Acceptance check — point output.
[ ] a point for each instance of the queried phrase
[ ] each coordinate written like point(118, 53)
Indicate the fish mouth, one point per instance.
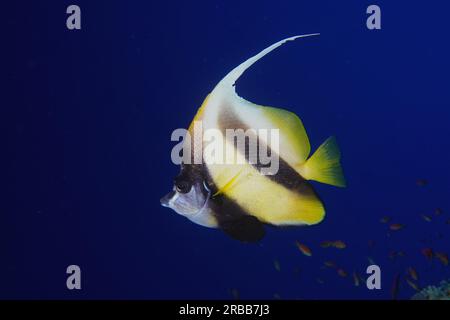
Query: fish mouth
point(165, 201)
point(168, 201)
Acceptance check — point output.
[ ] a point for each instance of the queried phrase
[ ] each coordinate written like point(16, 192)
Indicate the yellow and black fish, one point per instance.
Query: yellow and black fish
point(235, 195)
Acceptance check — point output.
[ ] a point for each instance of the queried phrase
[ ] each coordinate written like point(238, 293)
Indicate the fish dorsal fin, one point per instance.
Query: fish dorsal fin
point(231, 78)
point(295, 146)
point(294, 142)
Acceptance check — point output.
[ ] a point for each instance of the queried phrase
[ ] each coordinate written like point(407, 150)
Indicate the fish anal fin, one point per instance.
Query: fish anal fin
point(302, 207)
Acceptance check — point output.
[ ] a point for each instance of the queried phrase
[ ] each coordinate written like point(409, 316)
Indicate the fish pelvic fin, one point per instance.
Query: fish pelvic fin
point(231, 78)
point(324, 165)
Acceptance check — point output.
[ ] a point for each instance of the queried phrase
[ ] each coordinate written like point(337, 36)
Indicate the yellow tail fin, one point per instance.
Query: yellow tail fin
point(324, 165)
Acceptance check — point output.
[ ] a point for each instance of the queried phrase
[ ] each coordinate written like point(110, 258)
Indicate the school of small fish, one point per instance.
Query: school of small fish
point(409, 276)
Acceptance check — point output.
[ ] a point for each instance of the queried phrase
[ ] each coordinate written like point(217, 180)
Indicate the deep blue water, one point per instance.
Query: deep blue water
point(90, 113)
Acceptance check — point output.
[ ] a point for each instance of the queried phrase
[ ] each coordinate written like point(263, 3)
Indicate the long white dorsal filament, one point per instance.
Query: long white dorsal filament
point(230, 79)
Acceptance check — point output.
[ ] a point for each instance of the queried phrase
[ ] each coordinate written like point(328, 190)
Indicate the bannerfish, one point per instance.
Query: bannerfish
point(236, 196)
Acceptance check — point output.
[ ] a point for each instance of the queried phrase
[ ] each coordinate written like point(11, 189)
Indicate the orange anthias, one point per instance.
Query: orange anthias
point(303, 249)
point(396, 226)
point(342, 272)
point(339, 244)
point(442, 257)
point(428, 253)
point(413, 273)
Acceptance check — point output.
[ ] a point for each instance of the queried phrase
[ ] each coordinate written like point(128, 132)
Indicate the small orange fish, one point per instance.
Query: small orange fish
point(421, 182)
point(276, 265)
point(304, 249)
point(341, 272)
point(428, 253)
point(339, 244)
point(396, 226)
point(426, 218)
point(361, 278)
point(392, 254)
point(326, 244)
point(235, 293)
point(395, 286)
point(412, 284)
point(413, 273)
point(356, 279)
point(385, 219)
point(330, 264)
point(442, 257)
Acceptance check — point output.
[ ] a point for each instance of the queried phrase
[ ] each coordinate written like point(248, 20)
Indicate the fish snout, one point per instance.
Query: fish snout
point(165, 201)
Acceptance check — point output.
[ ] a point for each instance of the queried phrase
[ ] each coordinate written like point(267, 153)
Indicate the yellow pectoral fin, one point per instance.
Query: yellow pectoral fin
point(228, 185)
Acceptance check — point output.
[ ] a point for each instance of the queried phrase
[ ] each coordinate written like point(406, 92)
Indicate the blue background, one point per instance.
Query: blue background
point(90, 113)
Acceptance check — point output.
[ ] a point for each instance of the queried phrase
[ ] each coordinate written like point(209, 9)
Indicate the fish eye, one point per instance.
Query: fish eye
point(182, 186)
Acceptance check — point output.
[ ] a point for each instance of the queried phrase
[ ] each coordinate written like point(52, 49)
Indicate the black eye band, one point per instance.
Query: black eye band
point(182, 186)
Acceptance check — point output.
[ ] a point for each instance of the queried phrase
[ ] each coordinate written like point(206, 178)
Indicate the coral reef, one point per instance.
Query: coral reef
point(440, 292)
